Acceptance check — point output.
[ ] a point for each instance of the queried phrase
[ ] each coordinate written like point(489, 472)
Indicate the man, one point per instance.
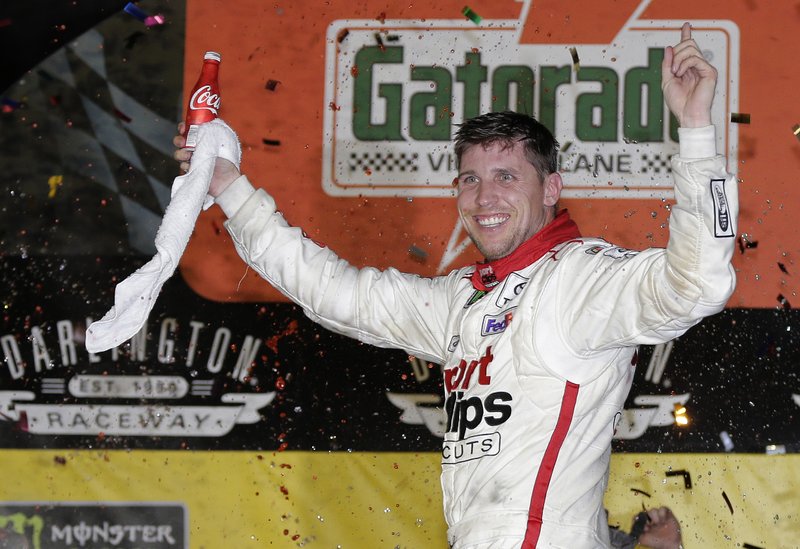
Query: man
point(538, 343)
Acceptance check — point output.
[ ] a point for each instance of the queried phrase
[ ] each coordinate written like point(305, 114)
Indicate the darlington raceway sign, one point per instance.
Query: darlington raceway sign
point(395, 90)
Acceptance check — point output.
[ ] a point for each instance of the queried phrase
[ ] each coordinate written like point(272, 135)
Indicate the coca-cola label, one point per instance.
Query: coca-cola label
point(203, 100)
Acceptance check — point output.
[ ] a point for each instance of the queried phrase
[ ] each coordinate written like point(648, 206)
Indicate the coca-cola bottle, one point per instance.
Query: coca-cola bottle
point(205, 99)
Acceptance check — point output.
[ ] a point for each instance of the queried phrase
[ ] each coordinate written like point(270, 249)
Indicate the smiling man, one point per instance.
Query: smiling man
point(537, 343)
point(508, 186)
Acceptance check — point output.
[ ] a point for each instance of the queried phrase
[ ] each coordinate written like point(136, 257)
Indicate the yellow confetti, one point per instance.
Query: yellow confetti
point(54, 182)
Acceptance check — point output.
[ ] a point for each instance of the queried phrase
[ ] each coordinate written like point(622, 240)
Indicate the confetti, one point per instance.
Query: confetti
point(392, 38)
point(272, 142)
point(342, 35)
point(272, 84)
point(381, 17)
point(687, 477)
point(9, 105)
point(132, 9)
point(782, 267)
point(728, 501)
point(61, 460)
point(784, 302)
point(54, 182)
point(796, 130)
point(141, 15)
point(417, 254)
point(576, 62)
point(748, 546)
point(740, 118)
point(471, 15)
point(745, 243)
point(565, 147)
point(727, 442)
point(642, 492)
point(154, 20)
point(379, 40)
point(121, 115)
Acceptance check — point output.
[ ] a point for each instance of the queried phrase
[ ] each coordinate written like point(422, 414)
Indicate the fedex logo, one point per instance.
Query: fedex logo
point(496, 324)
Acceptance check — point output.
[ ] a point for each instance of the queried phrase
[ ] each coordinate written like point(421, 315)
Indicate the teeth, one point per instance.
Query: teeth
point(492, 220)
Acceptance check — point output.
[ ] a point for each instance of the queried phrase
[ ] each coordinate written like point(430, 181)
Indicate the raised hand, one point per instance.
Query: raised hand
point(688, 81)
point(225, 172)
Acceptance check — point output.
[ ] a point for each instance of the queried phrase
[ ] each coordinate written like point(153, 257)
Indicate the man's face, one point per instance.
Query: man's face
point(502, 200)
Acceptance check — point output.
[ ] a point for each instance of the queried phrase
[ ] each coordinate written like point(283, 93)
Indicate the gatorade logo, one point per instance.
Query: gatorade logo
point(398, 101)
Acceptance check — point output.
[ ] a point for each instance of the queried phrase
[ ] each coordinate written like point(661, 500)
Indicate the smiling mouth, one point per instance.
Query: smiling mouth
point(490, 221)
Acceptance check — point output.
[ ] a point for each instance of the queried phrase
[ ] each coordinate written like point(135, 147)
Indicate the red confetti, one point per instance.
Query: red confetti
point(354, 71)
point(121, 115)
point(334, 107)
point(272, 343)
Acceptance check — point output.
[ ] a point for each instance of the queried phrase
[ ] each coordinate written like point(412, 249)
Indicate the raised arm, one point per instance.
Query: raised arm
point(383, 308)
point(688, 81)
point(656, 295)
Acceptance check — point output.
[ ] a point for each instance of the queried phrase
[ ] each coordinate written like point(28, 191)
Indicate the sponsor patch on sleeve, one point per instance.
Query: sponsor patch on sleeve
point(723, 223)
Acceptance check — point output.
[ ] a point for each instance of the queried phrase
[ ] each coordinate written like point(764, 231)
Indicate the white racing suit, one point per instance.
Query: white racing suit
point(537, 369)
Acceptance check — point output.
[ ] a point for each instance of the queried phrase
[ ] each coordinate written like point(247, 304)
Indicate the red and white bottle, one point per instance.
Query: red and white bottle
point(205, 99)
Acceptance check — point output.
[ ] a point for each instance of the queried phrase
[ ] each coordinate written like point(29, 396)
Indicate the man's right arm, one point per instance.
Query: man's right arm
point(383, 308)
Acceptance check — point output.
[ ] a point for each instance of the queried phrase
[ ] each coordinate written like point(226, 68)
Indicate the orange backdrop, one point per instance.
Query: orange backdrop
point(287, 42)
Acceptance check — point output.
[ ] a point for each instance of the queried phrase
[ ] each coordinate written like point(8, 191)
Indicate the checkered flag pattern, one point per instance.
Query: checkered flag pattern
point(656, 164)
point(97, 117)
point(381, 162)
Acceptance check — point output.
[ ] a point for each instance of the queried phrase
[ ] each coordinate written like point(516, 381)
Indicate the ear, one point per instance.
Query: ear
point(552, 188)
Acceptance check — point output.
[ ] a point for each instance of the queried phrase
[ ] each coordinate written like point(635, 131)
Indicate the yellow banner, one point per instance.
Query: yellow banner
point(356, 500)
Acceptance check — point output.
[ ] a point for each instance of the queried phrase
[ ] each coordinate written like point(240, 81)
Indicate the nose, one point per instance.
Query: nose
point(486, 194)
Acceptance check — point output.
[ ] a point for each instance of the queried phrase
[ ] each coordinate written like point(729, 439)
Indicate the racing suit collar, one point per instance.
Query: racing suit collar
point(488, 274)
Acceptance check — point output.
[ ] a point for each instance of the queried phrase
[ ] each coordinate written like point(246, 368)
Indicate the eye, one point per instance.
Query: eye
point(506, 177)
point(467, 180)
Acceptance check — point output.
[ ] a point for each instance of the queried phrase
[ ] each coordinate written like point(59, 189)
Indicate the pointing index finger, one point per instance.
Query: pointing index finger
point(686, 32)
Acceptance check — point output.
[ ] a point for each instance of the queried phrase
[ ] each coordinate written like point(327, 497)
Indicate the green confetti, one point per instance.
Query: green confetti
point(471, 15)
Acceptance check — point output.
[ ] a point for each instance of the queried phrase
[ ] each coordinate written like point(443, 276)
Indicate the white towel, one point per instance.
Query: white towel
point(135, 296)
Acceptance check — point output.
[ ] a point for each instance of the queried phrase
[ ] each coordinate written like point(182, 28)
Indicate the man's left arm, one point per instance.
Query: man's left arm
point(657, 295)
point(703, 220)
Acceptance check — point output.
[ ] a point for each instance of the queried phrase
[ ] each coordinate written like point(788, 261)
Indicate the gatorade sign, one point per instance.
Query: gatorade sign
point(396, 90)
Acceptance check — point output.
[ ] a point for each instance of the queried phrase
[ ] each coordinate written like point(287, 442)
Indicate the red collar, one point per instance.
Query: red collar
point(490, 273)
